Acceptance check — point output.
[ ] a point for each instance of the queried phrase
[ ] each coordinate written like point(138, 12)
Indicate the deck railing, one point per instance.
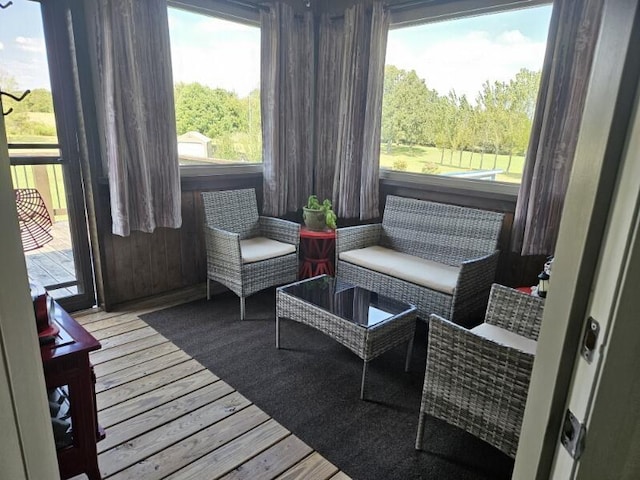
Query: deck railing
point(47, 179)
point(42, 172)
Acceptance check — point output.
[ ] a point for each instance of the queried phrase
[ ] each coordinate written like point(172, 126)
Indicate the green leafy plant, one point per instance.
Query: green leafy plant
point(327, 209)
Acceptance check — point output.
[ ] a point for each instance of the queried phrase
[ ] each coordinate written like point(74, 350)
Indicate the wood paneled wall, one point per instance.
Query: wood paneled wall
point(147, 264)
point(144, 265)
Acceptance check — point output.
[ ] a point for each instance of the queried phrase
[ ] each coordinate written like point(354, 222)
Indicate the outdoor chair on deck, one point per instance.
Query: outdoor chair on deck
point(247, 252)
point(478, 379)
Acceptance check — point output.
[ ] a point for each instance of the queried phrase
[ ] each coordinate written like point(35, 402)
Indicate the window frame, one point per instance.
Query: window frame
point(238, 12)
point(409, 15)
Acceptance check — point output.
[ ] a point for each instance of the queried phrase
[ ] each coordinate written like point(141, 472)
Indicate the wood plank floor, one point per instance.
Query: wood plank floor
point(166, 416)
point(53, 263)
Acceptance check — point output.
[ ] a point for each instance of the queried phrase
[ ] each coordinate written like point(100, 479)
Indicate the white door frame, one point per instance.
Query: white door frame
point(27, 448)
point(599, 155)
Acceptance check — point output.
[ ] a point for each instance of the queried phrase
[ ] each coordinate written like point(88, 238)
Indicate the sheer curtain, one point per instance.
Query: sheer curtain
point(355, 182)
point(572, 41)
point(328, 76)
point(287, 95)
point(131, 63)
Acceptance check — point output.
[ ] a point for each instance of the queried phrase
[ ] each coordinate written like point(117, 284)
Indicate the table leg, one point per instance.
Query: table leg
point(277, 331)
point(407, 361)
point(364, 376)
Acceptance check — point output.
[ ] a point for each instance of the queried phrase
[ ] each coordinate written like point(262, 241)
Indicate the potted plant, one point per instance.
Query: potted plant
point(318, 216)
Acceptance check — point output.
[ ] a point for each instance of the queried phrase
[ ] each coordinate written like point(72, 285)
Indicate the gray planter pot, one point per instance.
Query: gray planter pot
point(314, 219)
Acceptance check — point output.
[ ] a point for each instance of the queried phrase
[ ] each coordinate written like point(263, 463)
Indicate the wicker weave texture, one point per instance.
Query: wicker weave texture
point(234, 211)
point(477, 384)
point(231, 216)
point(515, 311)
point(427, 301)
point(448, 234)
point(443, 233)
point(366, 343)
point(362, 236)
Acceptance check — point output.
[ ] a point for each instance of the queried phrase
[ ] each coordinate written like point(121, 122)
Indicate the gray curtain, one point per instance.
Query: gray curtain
point(131, 63)
point(287, 93)
point(355, 182)
point(328, 77)
point(572, 40)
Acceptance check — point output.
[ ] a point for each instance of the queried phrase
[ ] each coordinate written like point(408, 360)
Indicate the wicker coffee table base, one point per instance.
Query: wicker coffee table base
point(366, 343)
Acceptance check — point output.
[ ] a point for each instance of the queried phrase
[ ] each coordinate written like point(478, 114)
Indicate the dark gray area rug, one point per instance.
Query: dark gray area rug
point(312, 386)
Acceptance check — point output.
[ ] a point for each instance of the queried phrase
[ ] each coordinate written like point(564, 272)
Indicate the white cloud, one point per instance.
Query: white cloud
point(1, 46)
point(217, 25)
point(232, 65)
point(28, 73)
point(464, 63)
point(512, 37)
point(30, 44)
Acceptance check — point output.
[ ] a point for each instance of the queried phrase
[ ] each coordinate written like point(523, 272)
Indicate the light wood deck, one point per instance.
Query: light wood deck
point(53, 263)
point(166, 416)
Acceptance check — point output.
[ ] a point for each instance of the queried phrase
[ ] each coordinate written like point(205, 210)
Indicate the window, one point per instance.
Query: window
point(23, 65)
point(459, 95)
point(53, 262)
point(216, 72)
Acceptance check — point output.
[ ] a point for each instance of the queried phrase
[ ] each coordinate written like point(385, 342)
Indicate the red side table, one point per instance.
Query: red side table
point(317, 250)
point(527, 290)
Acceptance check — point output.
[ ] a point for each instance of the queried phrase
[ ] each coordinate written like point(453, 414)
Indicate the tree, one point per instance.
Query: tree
point(390, 107)
point(8, 83)
point(494, 101)
point(39, 100)
point(524, 92)
point(212, 112)
point(407, 108)
point(444, 125)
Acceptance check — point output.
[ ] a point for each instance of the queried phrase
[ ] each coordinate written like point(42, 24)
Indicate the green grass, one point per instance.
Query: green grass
point(417, 157)
point(32, 139)
point(23, 177)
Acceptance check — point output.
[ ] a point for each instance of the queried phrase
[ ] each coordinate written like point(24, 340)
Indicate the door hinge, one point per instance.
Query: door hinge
point(573, 435)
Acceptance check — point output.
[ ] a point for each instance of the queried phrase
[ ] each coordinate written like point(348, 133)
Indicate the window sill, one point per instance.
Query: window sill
point(190, 171)
point(498, 193)
point(198, 178)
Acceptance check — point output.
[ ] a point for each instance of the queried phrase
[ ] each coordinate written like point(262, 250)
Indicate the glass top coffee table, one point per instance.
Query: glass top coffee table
point(365, 322)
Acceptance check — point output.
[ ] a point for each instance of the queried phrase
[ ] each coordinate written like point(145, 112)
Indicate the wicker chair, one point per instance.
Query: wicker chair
point(478, 379)
point(247, 252)
point(440, 258)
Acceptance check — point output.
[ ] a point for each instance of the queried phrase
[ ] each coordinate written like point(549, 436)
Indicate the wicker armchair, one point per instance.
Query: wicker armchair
point(247, 252)
point(478, 379)
point(440, 258)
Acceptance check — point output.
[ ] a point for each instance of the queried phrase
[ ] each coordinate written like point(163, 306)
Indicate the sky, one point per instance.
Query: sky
point(458, 55)
point(461, 54)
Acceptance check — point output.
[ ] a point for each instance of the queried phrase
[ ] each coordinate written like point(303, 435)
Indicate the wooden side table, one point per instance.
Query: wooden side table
point(71, 385)
point(317, 250)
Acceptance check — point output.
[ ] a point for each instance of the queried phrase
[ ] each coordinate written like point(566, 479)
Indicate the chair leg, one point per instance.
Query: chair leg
point(208, 289)
point(242, 308)
point(365, 364)
point(407, 361)
point(420, 434)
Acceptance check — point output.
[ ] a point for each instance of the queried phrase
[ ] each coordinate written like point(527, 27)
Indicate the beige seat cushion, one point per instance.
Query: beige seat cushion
point(261, 248)
point(433, 275)
point(505, 337)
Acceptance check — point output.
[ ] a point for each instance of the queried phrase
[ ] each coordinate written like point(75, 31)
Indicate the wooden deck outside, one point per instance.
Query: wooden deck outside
point(53, 263)
point(166, 416)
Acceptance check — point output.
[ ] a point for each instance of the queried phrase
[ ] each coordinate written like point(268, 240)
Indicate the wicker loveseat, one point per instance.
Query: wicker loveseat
point(440, 258)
